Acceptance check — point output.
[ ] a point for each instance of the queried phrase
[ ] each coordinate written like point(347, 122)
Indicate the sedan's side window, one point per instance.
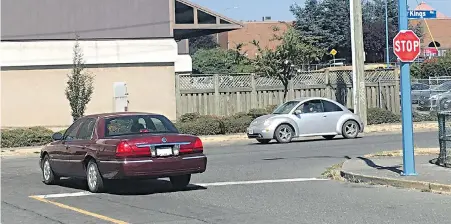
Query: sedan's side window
point(330, 107)
point(71, 133)
point(312, 106)
point(86, 129)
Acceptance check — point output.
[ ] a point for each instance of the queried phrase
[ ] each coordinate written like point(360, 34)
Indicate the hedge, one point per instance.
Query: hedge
point(196, 124)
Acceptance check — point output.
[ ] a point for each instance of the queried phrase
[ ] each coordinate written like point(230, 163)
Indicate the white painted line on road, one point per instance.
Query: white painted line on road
point(64, 195)
point(87, 193)
point(258, 182)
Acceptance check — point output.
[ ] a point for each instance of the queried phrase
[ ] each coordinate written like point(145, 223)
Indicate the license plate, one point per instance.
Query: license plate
point(164, 151)
point(250, 131)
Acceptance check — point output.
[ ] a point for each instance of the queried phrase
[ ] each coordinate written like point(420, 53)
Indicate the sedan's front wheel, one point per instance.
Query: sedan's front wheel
point(47, 172)
point(284, 133)
point(95, 180)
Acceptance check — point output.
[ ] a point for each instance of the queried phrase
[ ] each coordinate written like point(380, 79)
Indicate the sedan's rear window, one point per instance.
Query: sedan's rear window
point(138, 124)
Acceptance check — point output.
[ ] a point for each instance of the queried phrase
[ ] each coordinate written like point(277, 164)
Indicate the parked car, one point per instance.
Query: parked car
point(122, 146)
point(436, 102)
point(314, 116)
point(424, 95)
point(417, 90)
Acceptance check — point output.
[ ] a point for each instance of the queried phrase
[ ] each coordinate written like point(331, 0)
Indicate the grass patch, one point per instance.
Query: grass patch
point(398, 153)
point(333, 172)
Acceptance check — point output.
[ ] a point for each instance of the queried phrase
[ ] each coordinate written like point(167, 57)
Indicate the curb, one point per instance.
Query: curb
point(419, 185)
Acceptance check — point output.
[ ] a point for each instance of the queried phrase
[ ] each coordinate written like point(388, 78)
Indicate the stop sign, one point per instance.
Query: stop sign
point(406, 46)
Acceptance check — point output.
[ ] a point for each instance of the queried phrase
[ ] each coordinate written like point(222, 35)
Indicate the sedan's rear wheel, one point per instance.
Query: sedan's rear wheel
point(264, 141)
point(284, 133)
point(180, 182)
point(94, 179)
point(350, 129)
point(48, 175)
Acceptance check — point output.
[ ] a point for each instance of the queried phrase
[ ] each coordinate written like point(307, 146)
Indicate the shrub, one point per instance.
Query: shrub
point(417, 117)
point(189, 117)
point(236, 124)
point(207, 125)
point(254, 113)
point(23, 137)
point(381, 116)
point(271, 108)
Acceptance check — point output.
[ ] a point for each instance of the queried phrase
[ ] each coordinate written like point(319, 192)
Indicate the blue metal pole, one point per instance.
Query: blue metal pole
point(386, 33)
point(406, 102)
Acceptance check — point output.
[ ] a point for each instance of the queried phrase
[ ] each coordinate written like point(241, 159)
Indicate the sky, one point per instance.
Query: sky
point(280, 9)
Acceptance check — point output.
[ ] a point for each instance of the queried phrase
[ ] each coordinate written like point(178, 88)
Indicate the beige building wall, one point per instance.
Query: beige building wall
point(34, 76)
point(35, 97)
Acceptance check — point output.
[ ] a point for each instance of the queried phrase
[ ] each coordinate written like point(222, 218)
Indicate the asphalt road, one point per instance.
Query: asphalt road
point(238, 187)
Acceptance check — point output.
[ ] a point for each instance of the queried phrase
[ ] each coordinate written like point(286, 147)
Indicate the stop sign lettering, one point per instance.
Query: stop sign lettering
point(406, 46)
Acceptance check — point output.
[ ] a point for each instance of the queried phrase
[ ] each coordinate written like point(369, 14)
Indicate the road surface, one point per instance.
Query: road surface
point(244, 183)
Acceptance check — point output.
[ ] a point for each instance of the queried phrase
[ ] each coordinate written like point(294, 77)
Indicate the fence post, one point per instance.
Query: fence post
point(178, 107)
point(397, 91)
point(216, 85)
point(379, 89)
point(327, 82)
point(254, 103)
point(290, 89)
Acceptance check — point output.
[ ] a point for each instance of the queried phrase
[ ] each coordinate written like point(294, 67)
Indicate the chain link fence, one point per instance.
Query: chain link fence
point(444, 121)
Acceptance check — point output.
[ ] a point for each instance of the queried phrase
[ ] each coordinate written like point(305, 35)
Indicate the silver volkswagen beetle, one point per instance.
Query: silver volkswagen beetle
point(303, 117)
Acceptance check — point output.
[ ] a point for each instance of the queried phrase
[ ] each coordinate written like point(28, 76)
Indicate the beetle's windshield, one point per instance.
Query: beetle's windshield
point(286, 107)
point(138, 124)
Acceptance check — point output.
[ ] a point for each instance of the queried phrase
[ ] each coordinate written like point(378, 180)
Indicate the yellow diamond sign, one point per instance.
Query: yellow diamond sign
point(333, 52)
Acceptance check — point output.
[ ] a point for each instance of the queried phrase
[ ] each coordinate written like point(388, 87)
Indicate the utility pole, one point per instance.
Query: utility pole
point(358, 71)
point(386, 33)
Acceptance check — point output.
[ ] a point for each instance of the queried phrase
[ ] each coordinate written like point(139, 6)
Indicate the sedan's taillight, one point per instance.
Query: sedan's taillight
point(193, 147)
point(124, 149)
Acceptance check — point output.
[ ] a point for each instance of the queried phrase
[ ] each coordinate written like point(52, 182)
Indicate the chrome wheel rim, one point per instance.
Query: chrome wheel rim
point(285, 133)
point(351, 129)
point(92, 176)
point(46, 170)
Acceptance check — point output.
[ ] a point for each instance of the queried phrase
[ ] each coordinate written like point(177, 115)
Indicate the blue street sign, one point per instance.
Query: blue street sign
point(422, 14)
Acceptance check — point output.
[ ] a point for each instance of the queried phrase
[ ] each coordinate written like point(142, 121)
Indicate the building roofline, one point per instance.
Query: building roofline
point(201, 8)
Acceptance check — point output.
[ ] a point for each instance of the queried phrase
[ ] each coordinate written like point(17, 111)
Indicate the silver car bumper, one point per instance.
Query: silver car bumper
point(260, 132)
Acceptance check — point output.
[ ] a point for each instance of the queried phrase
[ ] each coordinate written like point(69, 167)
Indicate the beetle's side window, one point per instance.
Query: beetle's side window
point(86, 129)
point(71, 133)
point(312, 106)
point(330, 107)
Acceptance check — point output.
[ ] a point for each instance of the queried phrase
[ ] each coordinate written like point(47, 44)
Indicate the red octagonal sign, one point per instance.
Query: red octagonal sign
point(406, 46)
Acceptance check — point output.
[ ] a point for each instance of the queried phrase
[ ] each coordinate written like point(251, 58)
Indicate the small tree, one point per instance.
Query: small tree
point(80, 84)
point(294, 49)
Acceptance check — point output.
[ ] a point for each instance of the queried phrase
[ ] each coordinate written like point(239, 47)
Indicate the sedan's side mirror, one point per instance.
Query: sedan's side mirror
point(57, 136)
point(297, 112)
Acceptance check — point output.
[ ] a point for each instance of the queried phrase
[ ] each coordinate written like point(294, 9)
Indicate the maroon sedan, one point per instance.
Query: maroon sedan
point(120, 146)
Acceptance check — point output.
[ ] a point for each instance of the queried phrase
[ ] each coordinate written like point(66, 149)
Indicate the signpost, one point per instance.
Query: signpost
point(422, 14)
point(406, 46)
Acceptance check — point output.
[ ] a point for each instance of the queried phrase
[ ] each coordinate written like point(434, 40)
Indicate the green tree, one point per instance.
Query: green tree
point(202, 42)
point(294, 49)
point(80, 84)
point(438, 66)
point(221, 61)
point(328, 22)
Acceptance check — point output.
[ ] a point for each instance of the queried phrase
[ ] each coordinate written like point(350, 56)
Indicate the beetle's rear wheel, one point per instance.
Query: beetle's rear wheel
point(350, 129)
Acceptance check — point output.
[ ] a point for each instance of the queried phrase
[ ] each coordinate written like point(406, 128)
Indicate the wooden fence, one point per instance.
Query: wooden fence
point(229, 94)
